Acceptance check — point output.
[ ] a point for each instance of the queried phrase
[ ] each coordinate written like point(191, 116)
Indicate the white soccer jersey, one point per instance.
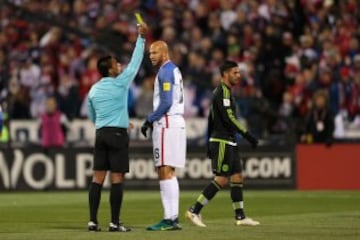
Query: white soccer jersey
point(168, 87)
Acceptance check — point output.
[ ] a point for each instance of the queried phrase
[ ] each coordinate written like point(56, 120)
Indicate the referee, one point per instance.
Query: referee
point(108, 109)
point(223, 151)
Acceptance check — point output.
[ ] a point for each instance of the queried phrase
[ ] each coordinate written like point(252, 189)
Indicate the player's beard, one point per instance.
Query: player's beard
point(233, 81)
point(155, 64)
point(159, 62)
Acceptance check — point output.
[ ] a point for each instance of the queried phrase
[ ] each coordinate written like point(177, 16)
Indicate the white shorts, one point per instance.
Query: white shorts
point(169, 143)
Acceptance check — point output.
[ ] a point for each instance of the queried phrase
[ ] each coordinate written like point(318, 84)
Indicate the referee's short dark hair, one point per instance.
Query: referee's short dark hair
point(103, 65)
point(226, 66)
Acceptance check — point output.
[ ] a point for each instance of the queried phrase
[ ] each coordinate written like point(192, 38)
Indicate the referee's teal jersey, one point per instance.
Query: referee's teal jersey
point(107, 100)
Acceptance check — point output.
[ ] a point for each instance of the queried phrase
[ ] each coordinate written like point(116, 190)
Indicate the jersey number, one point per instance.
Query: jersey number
point(156, 153)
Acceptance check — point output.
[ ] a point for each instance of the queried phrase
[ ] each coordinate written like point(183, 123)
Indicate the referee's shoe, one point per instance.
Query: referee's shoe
point(93, 227)
point(118, 228)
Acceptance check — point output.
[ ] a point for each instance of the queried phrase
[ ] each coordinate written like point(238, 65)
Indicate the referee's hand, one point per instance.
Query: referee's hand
point(142, 29)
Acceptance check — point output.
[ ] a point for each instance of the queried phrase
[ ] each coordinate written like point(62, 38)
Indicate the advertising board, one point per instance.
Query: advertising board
point(71, 168)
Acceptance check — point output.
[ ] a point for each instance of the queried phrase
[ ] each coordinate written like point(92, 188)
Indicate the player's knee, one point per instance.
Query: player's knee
point(236, 178)
point(117, 177)
point(221, 181)
point(99, 177)
point(166, 172)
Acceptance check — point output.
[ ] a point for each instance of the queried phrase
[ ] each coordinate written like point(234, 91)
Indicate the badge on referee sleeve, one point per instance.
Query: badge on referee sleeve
point(166, 86)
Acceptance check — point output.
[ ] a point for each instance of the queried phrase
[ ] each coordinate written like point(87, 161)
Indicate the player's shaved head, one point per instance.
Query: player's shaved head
point(159, 53)
point(161, 46)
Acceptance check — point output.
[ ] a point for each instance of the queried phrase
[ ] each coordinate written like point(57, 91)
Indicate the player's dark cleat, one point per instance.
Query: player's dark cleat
point(118, 228)
point(165, 225)
point(93, 227)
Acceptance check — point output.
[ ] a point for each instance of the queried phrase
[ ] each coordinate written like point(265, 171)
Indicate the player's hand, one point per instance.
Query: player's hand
point(144, 128)
point(251, 139)
point(142, 29)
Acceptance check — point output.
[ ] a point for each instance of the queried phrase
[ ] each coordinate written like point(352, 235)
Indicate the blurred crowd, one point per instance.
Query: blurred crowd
point(288, 51)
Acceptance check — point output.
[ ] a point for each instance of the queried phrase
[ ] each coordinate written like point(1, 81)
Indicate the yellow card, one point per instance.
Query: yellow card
point(139, 19)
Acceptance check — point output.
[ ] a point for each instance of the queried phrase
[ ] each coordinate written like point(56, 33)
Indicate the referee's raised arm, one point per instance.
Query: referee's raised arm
point(131, 70)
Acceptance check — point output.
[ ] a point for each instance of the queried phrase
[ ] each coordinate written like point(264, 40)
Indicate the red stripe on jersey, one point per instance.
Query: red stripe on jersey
point(166, 121)
point(162, 146)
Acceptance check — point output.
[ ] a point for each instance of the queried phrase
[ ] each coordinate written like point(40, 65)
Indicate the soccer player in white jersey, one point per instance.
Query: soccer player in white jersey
point(168, 135)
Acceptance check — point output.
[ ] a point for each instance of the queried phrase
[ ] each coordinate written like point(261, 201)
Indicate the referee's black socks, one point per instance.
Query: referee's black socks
point(116, 197)
point(208, 193)
point(94, 200)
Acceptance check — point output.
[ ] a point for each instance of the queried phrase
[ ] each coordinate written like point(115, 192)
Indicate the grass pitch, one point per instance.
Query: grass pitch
point(283, 215)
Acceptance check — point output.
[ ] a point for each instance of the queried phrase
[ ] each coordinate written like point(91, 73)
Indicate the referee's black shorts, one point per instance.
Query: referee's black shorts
point(225, 159)
point(111, 150)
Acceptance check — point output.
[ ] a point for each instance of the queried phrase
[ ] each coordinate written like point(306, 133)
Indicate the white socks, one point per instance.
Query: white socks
point(169, 190)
